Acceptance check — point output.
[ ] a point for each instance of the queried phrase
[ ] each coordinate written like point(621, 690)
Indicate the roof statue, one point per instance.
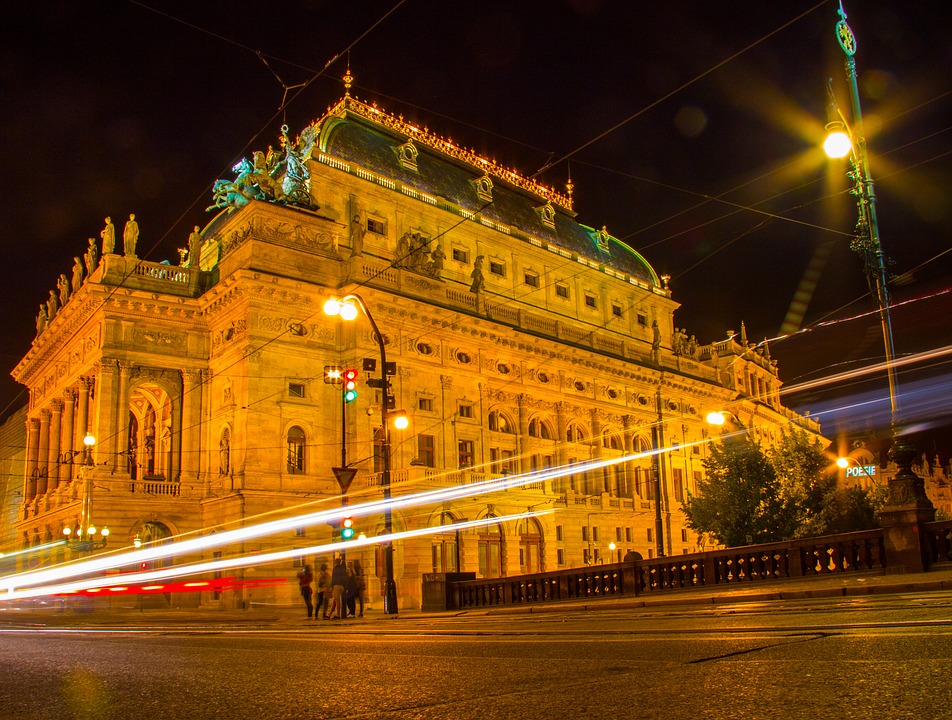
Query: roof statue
point(276, 176)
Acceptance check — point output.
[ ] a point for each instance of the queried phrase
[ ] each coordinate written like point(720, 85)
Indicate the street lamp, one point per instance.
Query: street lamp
point(85, 537)
point(905, 488)
point(347, 309)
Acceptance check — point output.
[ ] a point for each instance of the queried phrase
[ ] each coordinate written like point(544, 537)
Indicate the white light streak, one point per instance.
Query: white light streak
point(152, 576)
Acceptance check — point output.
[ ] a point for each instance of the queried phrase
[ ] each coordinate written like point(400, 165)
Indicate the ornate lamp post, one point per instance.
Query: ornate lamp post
point(85, 537)
point(907, 504)
point(347, 309)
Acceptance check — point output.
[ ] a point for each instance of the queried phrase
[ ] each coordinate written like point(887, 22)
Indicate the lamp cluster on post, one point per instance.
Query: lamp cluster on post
point(86, 537)
point(347, 309)
point(907, 503)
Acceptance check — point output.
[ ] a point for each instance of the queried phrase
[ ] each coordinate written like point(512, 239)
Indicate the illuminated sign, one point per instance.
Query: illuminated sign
point(861, 471)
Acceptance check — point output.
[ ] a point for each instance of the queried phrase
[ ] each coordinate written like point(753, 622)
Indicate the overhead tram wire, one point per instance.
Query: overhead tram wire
point(677, 90)
point(244, 150)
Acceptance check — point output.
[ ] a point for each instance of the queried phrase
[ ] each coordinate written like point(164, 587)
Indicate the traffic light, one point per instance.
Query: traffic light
point(350, 385)
point(347, 528)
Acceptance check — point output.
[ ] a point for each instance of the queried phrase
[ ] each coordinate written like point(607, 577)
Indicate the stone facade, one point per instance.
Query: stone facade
point(521, 340)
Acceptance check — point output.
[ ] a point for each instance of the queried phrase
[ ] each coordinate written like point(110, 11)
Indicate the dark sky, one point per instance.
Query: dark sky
point(711, 170)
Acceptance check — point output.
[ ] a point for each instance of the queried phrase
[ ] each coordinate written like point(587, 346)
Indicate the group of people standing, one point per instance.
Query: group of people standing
point(340, 593)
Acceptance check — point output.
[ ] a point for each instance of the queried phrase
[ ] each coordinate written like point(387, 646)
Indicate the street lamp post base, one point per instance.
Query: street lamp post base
point(390, 598)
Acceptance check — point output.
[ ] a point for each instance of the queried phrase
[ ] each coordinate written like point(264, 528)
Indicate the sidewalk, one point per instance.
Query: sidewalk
point(286, 616)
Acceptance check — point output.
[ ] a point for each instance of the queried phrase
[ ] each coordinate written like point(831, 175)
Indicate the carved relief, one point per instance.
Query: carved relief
point(229, 333)
point(146, 336)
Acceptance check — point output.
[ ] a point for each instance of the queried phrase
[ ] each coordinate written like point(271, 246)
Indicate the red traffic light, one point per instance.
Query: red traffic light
point(350, 375)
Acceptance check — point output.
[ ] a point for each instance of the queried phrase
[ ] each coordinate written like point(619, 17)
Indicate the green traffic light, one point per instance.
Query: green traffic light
point(350, 396)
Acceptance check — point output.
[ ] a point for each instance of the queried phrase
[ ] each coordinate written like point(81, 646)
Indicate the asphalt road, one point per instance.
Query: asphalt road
point(874, 657)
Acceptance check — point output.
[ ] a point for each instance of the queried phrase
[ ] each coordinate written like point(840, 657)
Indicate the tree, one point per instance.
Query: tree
point(753, 496)
point(740, 501)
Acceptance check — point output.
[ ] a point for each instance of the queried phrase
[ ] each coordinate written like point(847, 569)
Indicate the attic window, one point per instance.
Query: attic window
point(484, 188)
point(407, 154)
point(547, 215)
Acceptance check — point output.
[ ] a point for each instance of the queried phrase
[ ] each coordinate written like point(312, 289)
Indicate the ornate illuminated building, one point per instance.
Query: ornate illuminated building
point(521, 340)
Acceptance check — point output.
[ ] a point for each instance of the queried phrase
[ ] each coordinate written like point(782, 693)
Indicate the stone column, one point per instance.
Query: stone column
point(107, 440)
point(81, 425)
point(521, 444)
point(32, 452)
point(121, 410)
point(58, 463)
point(66, 436)
point(175, 439)
point(43, 453)
point(601, 484)
point(190, 446)
point(561, 450)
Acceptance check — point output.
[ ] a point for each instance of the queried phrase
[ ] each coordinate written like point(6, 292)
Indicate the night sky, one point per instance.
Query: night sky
point(690, 130)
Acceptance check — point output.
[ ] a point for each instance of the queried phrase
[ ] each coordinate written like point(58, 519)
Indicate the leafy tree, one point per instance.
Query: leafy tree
point(740, 501)
point(753, 496)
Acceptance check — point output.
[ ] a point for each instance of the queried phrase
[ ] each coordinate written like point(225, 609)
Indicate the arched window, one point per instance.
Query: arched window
point(296, 444)
point(445, 547)
point(611, 440)
point(500, 422)
point(530, 547)
point(574, 433)
point(490, 551)
point(541, 429)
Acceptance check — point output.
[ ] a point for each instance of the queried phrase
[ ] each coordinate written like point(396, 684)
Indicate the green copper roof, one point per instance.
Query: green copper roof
point(373, 146)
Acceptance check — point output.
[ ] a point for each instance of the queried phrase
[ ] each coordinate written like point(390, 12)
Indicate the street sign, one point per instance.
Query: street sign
point(345, 476)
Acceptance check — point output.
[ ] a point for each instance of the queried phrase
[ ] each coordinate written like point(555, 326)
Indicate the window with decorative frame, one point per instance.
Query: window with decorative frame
point(296, 444)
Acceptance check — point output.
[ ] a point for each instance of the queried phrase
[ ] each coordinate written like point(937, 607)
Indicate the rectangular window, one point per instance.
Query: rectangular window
point(299, 532)
point(585, 533)
point(501, 460)
point(697, 479)
point(617, 534)
point(590, 300)
point(558, 533)
point(684, 535)
point(464, 410)
point(594, 534)
point(616, 309)
point(377, 227)
point(425, 404)
point(426, 450)
point(497, 268)
point(627, 534)
point(585, 556)
point(562, 290)
point(299, 561)
point(465, 453)
point(678, 482)
point(296, 390)
point(650, 535)
point(642, 319)
point(560, 556)
point(531, 279)
point(460, 255)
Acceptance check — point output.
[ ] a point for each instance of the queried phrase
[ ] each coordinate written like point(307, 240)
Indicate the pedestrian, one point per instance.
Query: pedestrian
point(338, 583)
point(361, 587)
point(305, 578)
point(323, 592)
point(350, 590)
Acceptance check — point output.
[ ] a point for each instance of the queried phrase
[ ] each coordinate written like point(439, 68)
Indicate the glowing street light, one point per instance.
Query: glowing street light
point(347, 309)
point(906, 489)
point(83, 538)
